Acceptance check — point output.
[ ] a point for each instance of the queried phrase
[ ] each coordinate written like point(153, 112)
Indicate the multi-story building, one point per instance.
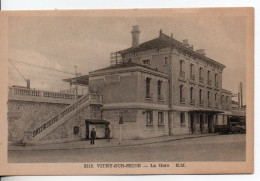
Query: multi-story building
point(196, 98)
point(160, 87)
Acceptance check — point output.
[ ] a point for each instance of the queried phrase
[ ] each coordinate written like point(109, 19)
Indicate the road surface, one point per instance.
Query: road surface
point(212, 148)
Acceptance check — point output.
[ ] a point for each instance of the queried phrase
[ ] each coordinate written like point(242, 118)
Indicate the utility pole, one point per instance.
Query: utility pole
point(26, 80)
point(76, 92)
point(241, 94)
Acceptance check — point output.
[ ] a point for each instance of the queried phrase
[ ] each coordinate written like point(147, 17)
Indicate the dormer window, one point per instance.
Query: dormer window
point(146, 62)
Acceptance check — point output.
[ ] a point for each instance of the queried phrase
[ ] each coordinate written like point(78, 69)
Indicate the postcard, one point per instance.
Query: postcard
point(119, 92)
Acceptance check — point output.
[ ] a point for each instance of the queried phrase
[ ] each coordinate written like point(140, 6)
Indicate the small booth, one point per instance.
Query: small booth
point(100, 126)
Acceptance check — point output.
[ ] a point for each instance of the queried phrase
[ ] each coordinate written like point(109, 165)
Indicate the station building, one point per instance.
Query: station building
point(159, 87)
point(162, 87)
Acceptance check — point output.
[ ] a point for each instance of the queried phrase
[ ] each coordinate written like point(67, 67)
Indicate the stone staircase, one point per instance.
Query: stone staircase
point(36, 134)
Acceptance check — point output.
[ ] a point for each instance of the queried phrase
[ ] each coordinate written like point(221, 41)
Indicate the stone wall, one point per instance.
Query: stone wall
point(23, 115)
point(66, 130)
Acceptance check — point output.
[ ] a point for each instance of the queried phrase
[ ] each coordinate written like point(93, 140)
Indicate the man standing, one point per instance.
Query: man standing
point(107, 133)
point(92, 136)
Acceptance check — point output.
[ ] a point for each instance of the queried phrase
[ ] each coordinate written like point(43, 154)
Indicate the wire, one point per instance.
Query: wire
point(18, 71)
point(48, 68)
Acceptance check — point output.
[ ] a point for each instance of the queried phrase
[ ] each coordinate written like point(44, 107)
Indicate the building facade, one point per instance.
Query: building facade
point(196, 99)
point(160, 87)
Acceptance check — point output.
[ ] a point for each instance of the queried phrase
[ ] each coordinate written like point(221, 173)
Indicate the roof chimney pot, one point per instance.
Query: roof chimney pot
point(201, 51)
point(160, 33)
point(135, 36)
point(185, 42)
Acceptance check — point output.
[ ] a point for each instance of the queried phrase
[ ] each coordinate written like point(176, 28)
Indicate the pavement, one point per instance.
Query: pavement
point(103, 143)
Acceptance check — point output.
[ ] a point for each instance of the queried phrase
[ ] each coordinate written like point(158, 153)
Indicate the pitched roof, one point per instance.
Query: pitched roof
point(162, 41)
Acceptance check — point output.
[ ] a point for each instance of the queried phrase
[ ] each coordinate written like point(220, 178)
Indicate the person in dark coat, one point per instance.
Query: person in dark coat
point(92, 136)
point(107, 133)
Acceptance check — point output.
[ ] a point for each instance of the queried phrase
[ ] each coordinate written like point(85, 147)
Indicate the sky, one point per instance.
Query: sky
point(62, 42)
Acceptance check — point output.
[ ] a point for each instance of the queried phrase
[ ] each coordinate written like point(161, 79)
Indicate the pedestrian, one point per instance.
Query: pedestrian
point(92, 136)
point(107, 133)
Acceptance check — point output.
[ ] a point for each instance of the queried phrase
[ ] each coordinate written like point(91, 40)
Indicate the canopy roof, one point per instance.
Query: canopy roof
point(97, 121)
point(83, 80)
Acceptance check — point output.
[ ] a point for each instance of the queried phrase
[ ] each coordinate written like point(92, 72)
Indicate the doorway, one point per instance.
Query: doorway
point(192, 123)
point(87, 130)
point(210, 123)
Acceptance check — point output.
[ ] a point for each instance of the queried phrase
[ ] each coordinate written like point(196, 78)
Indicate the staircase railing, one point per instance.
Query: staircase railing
point(65, 112)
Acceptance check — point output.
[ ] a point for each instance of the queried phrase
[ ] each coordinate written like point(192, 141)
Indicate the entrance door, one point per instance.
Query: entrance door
point(210, 123)
point(87, 130)
point(192, 123)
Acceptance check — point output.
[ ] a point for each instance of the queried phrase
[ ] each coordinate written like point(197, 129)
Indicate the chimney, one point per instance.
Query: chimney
point(191, 47)
point(135, 36)
point(185, 43)
point(171, 35)
point(201, 51)
point(160, 33)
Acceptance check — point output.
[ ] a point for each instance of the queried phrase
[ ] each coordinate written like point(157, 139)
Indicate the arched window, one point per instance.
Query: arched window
point(200, 96)
point(159, 89)
point(181, 94)
point(148, 82)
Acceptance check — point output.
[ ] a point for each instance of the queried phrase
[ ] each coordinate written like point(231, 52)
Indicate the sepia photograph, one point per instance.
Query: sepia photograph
point(129, 89)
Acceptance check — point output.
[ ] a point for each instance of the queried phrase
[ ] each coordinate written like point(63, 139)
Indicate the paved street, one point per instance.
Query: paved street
point(212, 148)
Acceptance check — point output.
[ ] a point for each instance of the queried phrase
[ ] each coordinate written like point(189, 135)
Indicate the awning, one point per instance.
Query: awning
point(82, 80)
point(209, 111)
point(97, 121)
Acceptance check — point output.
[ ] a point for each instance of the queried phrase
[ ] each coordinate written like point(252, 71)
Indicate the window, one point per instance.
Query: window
point(208, 95)
point(222, 98)
point(146, 62)
point(182, 73)
point(209, 81)
point(181, 65)
point(200, 96)
point(148, 82)
point(200, 72)
point(149, 117)
point(166, 60)
point(191, 95)
point(182, 118)
point(216, 77)
point(160, 118)
point(76, 130)
point(191, 69)
point(159, 91)
point(216, 97)
point(181, 93)
point(227, 99)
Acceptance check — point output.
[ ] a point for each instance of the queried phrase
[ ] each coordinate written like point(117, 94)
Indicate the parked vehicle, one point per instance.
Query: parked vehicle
point(231, 127)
